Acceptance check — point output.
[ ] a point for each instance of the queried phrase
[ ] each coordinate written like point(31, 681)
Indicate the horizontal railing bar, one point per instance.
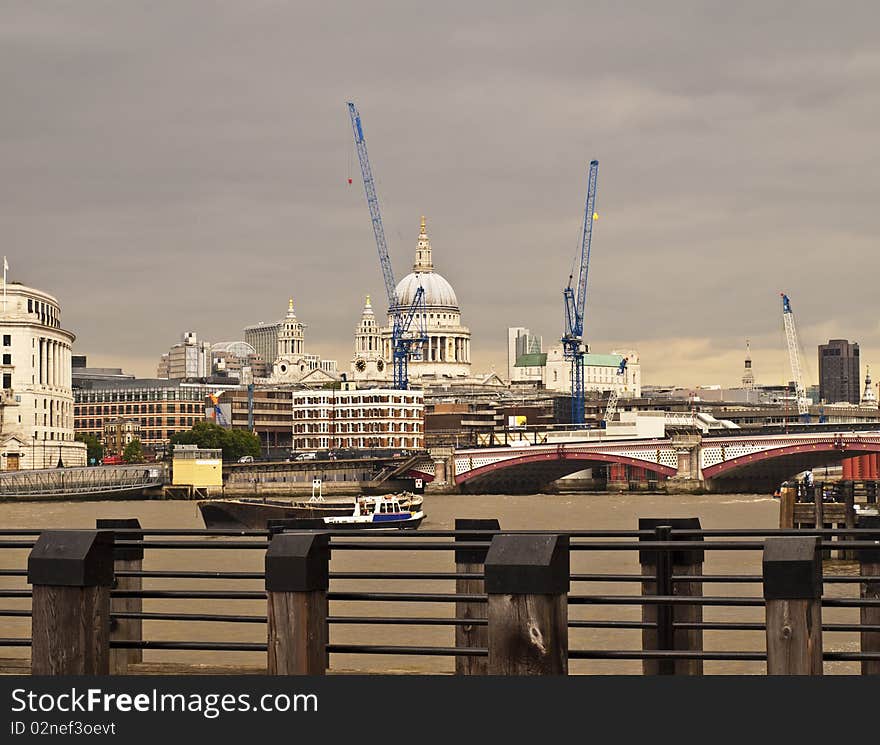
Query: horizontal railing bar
point(218, 618)
point(341, 620)
point(638, 654)
point(420, 651)
point(705, 578)
point(662, 599)
point(191, 594)
point(406, 621)
point(635, 625)
point(434, 597)
point(850, 656)
point(190, 645)
point(468, 598)
point(608, 533)
point(15, 642)
point(400, 545)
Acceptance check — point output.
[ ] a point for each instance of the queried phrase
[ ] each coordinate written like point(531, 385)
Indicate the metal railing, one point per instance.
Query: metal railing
point(655, 587)
point(70, 481)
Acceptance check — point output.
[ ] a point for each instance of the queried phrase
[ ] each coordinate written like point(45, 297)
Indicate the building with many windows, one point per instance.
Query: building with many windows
point(36, 401)
point(270, 417)
point(119, 432)
point(189, 358)
point(839, 372)
point(162, 407)
point(376, 417)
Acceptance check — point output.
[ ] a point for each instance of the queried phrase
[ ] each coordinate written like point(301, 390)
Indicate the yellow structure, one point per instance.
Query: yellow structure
point(198, 467)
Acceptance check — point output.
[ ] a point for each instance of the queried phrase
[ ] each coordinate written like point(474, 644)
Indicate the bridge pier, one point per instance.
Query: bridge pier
point(688, 478)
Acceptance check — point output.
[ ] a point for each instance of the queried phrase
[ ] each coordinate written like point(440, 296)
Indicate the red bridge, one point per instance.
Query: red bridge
point(728, 464)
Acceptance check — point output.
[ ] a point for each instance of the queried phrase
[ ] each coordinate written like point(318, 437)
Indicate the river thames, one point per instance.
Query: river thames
point(587, 511)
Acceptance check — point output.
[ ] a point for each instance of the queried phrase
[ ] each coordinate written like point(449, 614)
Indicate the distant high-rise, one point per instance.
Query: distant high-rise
point(839, 373)
point(521, 342)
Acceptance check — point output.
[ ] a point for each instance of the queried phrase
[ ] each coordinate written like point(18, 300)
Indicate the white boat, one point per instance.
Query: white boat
point(375, 513)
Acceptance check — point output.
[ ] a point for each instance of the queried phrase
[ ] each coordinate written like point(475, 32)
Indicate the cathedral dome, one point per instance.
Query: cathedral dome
point(438, 291)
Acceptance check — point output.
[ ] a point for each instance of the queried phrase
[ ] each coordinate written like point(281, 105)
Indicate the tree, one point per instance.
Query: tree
point(234, 443)
point(94, 448)
point(134, 452)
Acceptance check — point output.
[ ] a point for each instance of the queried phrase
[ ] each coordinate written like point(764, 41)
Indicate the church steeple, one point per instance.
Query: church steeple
point(869, 397)
point(748, 378)
point(424, 262)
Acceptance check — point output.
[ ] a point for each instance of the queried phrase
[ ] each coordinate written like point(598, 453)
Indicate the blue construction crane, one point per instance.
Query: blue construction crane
point(404, 344)
point(575, 299)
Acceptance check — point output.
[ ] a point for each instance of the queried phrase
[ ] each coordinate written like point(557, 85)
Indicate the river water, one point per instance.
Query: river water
point(586, 511)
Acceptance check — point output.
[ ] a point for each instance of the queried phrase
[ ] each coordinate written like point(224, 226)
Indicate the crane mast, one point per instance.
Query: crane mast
point(575, 299)
point(803, 403)
point(403, 342)
point(614, 395)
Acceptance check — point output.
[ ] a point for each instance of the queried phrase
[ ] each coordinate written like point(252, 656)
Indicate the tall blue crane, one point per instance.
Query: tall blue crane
point(575, 299)
point(404, 343)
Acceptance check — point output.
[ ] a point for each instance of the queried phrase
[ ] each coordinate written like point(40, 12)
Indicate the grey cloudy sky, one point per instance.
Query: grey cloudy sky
point(184, 165)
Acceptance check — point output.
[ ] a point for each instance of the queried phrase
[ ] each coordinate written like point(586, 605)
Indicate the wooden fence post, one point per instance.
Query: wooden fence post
point(849, 502)
point(787, 498)
point(297, 578)
point(527, 579)
point(869, 568)
point(681, 562)
point(125, 559)
point(71, 572)
point(793, 597)
point(470, 560)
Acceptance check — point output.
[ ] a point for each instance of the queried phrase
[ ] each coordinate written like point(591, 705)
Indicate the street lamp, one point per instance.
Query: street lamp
point(34, 453)
point(60, 461)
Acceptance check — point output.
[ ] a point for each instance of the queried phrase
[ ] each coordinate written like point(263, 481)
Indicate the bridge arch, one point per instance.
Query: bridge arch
point(768, 468)
point(530, 472)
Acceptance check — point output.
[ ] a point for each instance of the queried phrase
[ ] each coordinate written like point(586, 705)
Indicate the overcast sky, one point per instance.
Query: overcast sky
point(184, 165)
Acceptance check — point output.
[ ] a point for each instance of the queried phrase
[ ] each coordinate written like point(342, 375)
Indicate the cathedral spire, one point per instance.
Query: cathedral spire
point(424, 262)
point(748, 378)
point(869, 397)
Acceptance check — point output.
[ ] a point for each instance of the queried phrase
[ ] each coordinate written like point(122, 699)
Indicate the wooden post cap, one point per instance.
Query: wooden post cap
point(298, 562)
point(123, 523)
point(680, 557)
point(279, 525)
point(470, 555)
point(528, 564)
point(72, 558)
point(869, 555)
point(792, 568)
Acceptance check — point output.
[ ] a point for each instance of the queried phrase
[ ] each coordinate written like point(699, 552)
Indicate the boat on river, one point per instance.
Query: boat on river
point(370, 513)
point(256, 513)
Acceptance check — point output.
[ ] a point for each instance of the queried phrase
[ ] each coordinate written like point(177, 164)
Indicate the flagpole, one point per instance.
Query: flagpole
point(5, 269)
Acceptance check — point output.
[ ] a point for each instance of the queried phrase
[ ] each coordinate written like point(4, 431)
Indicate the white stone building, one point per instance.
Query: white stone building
point(36, 402)
point(376, 417)
point(283, 346)
point(600, 372)
point(189, 358)
point(447, 353)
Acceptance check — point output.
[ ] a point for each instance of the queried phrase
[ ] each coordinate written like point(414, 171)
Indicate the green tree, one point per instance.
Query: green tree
point(234, 443)
point(133, 452)
point(94, 448)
